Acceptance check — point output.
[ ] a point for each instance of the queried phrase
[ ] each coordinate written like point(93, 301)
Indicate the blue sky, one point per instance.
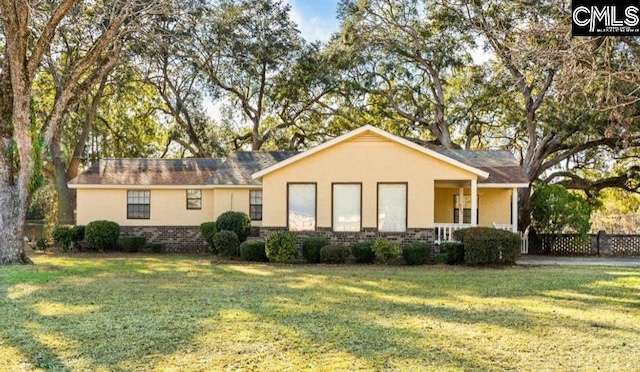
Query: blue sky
point(316, 19)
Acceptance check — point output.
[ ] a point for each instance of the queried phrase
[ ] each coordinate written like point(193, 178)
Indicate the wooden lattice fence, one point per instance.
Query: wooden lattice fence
point(625, 245)
point(576, 245)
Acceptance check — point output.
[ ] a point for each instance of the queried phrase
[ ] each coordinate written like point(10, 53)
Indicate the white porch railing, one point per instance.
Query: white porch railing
point(503, 226)
point(524, 243)
point(444, 231)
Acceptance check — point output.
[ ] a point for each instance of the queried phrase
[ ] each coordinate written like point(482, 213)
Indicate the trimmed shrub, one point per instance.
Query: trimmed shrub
point(280, 246)
point(334, 254)
point(459, 235)
point(454, 252)
point(487, 246)
point(156, 247)
point(208, 230)
point(440, 258)
point(133, 243)
point(386, 251)
point(102, 235)
point(77, 234)
point(311, 248)
point(226, 243)
point(42, 244)
point(253, 250)
point(238, 222)
point(363, 252)
point(416, 253)
point(63, 236)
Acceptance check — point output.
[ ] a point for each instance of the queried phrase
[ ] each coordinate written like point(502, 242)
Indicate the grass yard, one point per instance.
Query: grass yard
point(145, 312)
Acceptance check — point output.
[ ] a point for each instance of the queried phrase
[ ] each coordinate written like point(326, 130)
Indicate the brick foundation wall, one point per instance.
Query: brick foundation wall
point(189, 239)
point(367, 234)
point(173, 238)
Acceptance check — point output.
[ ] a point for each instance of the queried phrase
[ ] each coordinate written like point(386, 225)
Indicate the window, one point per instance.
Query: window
point(194, 199)
point(138, 206)
point(347, 207)
point(392, 207)
point(255, 205)
point(466, 212)
point(301, 205)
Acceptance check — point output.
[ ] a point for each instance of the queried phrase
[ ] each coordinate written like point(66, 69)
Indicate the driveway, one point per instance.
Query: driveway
point(578, 261)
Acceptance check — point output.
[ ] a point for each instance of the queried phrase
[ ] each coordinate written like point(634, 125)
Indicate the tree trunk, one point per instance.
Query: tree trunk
point(65, 196)
point(12, 216)
point(524, 213)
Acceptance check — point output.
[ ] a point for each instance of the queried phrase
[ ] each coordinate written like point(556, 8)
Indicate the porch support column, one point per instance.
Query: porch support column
point(474, 202)
point(514, 210)
point(461, 205)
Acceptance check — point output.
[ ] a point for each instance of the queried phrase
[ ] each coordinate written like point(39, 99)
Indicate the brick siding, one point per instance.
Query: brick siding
point(173, 238)
point(189, 239)
point(366, 234)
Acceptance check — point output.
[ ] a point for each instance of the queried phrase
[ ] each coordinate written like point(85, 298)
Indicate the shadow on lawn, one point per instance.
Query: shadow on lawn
point(139, 311)
point(113, 324)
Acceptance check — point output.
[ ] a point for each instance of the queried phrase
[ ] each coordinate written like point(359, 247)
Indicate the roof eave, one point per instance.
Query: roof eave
point(137, 187)
point(502, 185)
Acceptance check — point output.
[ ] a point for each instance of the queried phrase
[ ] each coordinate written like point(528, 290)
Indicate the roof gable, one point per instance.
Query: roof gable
point(371, 130)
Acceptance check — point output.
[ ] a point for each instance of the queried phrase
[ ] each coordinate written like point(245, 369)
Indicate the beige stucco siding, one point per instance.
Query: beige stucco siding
point(232, 199)
point(168, 207)
point(494, 205)
point(368, 159)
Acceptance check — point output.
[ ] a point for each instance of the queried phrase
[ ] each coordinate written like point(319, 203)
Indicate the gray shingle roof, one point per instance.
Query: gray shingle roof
point(502, 166)
point(148, 172)
point(239, 167)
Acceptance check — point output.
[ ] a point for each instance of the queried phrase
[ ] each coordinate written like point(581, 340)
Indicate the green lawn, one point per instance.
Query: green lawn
point(137, 312)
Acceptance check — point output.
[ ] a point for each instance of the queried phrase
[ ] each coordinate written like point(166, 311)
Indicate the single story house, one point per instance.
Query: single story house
point(361, 185)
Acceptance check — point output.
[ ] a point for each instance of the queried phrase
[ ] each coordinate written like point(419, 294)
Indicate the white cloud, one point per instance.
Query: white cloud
point(312, 28)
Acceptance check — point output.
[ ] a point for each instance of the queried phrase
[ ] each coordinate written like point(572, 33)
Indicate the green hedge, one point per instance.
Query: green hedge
point(385, 250)
point(253, 250)
point(334, 254)
point(487, 246)
point(133, 243)
point(454, 252)
point(238, 222)
point(77, 233)
point(156, 247)
point(280, 246)
point(102, 235)
point(311, 248)
point(63, 236)
point(363, 252)
point(208, 230)
point(226, 243)
point(416, 253)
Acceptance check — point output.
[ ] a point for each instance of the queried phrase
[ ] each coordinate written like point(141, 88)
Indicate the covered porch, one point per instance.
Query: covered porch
point(461, 204)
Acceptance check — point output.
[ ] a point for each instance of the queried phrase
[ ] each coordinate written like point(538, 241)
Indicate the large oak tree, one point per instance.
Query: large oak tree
point(27, 30)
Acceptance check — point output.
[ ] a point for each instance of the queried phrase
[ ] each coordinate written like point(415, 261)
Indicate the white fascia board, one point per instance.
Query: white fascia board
point(138, 187)
point(502, 185)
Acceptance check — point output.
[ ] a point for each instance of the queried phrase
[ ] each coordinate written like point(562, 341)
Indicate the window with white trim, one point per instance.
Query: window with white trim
point(194, 199)
point(301, 212)
point(392, 207)
point(138, 204)
point(255, 205)
point(347, 211)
